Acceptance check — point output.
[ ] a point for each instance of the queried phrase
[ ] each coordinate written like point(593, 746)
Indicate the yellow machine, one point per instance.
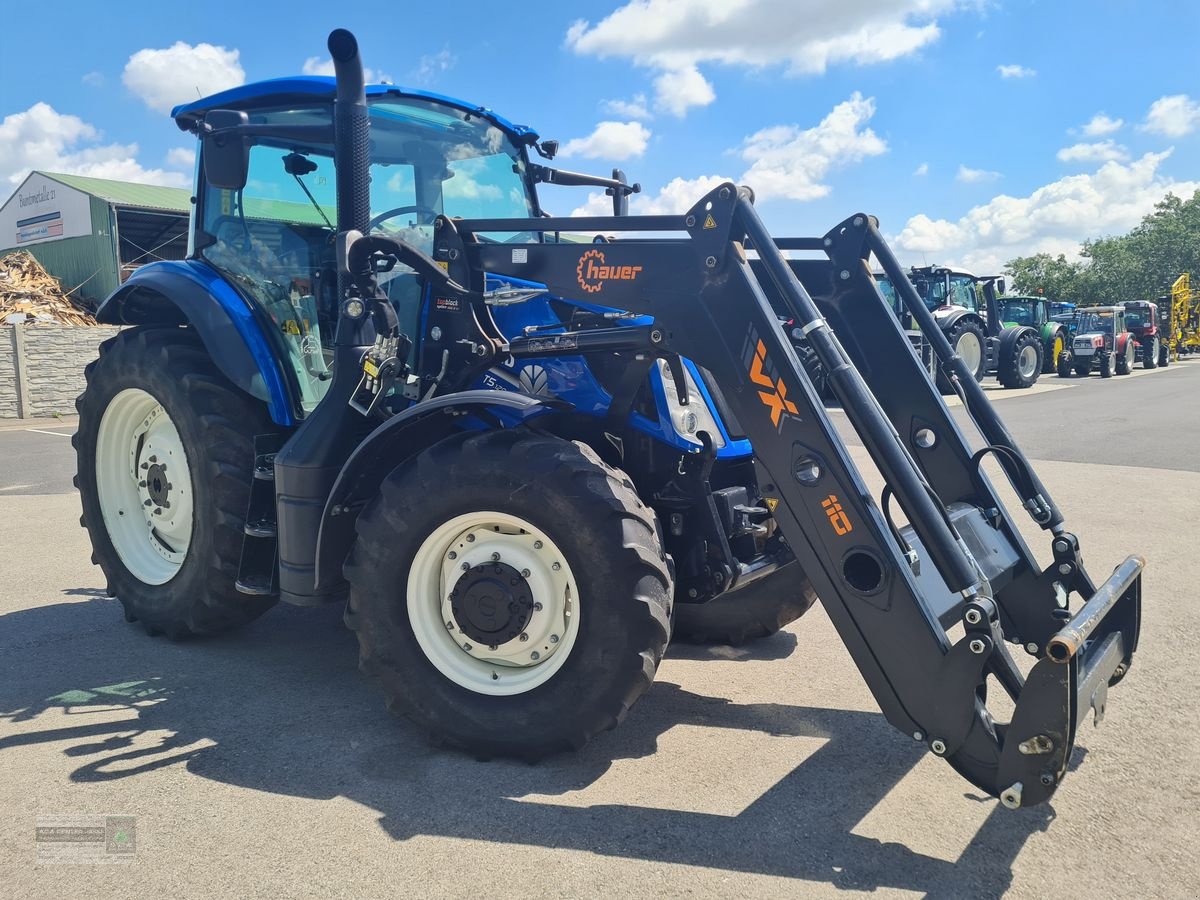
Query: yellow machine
point(1181, 318)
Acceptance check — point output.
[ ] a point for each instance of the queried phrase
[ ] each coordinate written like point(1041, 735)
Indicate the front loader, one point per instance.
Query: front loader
point(515, 551)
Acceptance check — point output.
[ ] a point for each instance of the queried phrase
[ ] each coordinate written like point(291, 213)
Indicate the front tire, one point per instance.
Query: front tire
point(758, 610)
point(165, 450)
point(1106, 367)
point(560, 618)
point(1053, 352)
point(1023, 363)
point(1064, 364)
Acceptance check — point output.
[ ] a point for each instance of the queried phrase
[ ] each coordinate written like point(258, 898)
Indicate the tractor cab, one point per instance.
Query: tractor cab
point(273, 237)
point(1096, 328)
point(1029, 311)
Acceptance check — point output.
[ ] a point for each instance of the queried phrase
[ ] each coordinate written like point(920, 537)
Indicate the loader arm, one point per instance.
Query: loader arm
point(892, 593)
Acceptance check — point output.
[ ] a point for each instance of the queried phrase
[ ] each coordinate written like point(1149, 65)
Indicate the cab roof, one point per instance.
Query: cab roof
point(300, 88)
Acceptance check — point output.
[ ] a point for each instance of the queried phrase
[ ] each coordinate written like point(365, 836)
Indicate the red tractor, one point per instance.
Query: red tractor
point(1141, 318)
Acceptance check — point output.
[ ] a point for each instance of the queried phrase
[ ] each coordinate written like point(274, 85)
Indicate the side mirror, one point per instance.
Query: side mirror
point(999, 285)
point(224, 149)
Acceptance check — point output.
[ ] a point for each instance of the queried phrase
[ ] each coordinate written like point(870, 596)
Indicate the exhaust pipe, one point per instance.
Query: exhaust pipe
point(351, 134)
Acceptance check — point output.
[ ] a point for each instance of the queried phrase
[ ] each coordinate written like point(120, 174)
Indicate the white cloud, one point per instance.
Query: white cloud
point(93, 79)
point(677, 90)
point(182, 158)
point(1173, 116)
point(1099, 151)
point(616, 141)
point(674, 37)
point(181, 72)
point(316, 65)
point(636, 108)
point(42, 138)
point(431, 65)
point(1015, 71)
point(1100, 125)
point(676, 197)
point(921, 170)
point(786, 161)
point(967, 175)
point(1055, 218)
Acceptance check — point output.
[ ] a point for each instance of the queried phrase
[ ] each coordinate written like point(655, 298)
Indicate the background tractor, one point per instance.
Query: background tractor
point(523, 462)
point(963, 305)
point(1036, 312)
point(1100, 341)
point(1142, 318)
point(1179, 321)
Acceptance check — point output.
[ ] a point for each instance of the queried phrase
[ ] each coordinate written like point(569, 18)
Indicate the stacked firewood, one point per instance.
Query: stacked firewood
point(30, 295)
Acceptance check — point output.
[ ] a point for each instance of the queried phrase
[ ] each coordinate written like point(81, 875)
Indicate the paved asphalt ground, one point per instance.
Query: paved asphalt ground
point(261, 764)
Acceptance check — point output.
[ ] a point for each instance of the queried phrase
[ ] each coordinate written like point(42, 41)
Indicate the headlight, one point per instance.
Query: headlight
point(688, 421)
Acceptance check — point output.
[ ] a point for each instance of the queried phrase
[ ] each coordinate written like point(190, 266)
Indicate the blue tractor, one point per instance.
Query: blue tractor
point(524, 460)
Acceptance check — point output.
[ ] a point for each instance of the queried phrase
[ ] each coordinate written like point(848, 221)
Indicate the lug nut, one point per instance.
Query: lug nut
point(537, 607)
point(466, 567)
point(495, 557)
point(470, 538)
point(453, 555)
point(524, 573)
point(524, 636)
point(554, 638)
point(467, 647)
point(449, 626)
point(556, 566)
point(535, 655)
point(537, 545)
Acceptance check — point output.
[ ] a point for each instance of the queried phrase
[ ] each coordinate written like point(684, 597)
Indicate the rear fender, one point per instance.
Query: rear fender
point(397, 441)
point(190, 293)
point(1122, 339)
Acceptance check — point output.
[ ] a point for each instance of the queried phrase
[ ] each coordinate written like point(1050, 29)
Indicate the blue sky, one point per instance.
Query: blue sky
point(826, 107)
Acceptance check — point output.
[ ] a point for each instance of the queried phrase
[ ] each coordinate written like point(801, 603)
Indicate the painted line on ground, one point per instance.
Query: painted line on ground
point(55, 433)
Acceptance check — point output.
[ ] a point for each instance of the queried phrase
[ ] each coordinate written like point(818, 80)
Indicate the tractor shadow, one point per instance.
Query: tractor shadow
point(280, 707)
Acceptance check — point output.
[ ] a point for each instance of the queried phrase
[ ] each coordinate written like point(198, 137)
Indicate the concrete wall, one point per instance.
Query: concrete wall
point(41, 367)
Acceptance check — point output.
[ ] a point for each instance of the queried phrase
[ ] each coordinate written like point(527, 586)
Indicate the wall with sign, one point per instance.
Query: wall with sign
point(41, 210)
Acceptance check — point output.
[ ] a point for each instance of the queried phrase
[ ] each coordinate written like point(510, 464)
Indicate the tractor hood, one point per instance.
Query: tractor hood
point(284, 91)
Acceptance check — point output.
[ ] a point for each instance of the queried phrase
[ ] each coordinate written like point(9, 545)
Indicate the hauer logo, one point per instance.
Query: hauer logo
point(592, 271)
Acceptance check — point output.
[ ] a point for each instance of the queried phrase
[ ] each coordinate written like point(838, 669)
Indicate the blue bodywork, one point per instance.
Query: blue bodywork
point(567, 378)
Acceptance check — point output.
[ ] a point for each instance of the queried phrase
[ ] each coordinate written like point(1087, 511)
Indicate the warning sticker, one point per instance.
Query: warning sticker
point(520, 256)
point(709, 221)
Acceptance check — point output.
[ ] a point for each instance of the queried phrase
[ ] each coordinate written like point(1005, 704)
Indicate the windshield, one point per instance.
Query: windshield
point(274, 239)
point(1095, 322)
point(931, 289)
point(1016, 312)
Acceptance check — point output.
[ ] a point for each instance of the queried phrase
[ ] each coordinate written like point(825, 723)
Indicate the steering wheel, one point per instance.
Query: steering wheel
point(400, 211)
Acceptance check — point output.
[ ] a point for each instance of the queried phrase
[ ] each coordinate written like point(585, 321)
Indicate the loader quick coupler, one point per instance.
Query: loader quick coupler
point(718, 296)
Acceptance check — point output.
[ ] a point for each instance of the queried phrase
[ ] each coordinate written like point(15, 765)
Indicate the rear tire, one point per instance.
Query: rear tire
point(1052, 353)
point(758, 610)
point(588, 647)
point(1150, 354)
point(966, 339)
point(1023, 363)
point(174, 579)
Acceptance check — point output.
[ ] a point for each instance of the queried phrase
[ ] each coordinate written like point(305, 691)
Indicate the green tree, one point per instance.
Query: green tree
point(1134, 266)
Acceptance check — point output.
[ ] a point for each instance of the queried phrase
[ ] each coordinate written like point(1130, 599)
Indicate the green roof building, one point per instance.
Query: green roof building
point(91, 233)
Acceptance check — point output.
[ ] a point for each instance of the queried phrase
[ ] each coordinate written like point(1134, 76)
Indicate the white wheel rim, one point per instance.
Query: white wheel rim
point(144, 486)
point(1027, 361)
point(513, 666)
point(970, 350)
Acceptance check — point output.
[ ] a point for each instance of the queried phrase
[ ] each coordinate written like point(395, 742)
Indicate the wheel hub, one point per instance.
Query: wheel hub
point(492, 603)
point(157, 485)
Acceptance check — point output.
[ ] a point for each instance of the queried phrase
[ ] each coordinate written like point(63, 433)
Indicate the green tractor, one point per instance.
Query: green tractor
point(1035, 312)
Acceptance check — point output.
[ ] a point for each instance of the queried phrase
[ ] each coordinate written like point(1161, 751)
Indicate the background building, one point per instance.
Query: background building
point(90, 233)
